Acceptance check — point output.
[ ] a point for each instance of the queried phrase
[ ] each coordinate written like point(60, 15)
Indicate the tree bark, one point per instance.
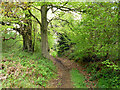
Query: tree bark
point(27, 43)
point(27, 37)
point(44, 37)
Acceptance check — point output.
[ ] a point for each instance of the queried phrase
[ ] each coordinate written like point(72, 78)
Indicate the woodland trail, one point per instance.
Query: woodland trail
point(64, 81)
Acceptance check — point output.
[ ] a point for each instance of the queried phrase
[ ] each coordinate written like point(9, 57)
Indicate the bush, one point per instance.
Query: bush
point(108, 75)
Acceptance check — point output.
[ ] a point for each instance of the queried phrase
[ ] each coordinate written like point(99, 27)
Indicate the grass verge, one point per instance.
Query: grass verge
point(77, 78)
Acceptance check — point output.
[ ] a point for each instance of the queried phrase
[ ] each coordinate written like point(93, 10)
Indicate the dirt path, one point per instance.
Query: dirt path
point(63, 80)
point(64, 66)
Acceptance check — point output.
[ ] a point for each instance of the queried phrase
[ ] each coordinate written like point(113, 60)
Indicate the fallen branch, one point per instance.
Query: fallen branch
point(4, 39)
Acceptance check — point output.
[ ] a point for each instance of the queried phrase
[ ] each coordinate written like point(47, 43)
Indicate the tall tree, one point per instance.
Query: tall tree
point(44, 37)
point(45, 7)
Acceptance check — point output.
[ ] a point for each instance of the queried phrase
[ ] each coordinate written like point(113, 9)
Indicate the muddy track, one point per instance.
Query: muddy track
point(65, 77)
point(63, 80)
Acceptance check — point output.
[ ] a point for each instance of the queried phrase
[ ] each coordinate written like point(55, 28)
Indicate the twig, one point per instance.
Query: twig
point(9, 38)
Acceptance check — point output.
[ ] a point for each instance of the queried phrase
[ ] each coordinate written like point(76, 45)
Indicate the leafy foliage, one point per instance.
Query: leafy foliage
point(96, 34)
point(95, 39)
point(106, 72)
point(92, 39)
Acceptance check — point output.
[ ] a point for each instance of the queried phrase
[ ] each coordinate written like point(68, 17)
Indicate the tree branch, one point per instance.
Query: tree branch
point(63, 8)
point(4, 39)
point(50, 20)
point(55, 17)
point(21, 7)
point(36, 8)
point(51, 6)
point(66, 22)
point(34, 17)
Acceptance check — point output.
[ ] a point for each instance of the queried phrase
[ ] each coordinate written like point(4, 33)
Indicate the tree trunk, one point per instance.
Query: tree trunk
point(44, 37)
point(27, 43)
point(24, 43)
point(27, 37)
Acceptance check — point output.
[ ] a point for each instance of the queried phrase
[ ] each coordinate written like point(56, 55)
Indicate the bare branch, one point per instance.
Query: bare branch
point(21, 7)
point(55, 10)
point(51, 6)
point(65, 3)
point(55, 17)
point(4, 39)
point(63, 8)
point(34, 17)
point(36, 7)
point(50, 20)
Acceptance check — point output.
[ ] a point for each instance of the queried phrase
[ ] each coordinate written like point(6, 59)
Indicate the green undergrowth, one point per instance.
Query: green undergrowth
point(78, 79)
point(54, 54)
point(107, 73)
point(26, 70)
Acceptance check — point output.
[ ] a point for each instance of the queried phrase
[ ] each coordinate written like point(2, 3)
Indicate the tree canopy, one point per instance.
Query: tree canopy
point(86, 32)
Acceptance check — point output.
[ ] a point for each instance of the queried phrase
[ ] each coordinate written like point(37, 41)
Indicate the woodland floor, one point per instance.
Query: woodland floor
point(64, 81)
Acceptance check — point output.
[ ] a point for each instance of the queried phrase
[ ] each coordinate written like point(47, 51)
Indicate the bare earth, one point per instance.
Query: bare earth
point(64, 81)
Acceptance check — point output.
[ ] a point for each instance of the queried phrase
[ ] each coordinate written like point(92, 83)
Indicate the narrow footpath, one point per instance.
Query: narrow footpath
point(64, 66)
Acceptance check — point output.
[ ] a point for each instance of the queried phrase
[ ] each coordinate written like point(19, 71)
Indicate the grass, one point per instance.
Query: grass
point(26, 70)
point(77, 79)
point(54, 54)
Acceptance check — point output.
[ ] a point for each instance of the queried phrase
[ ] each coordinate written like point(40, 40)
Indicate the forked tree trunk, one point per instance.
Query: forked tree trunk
point(44, 37)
